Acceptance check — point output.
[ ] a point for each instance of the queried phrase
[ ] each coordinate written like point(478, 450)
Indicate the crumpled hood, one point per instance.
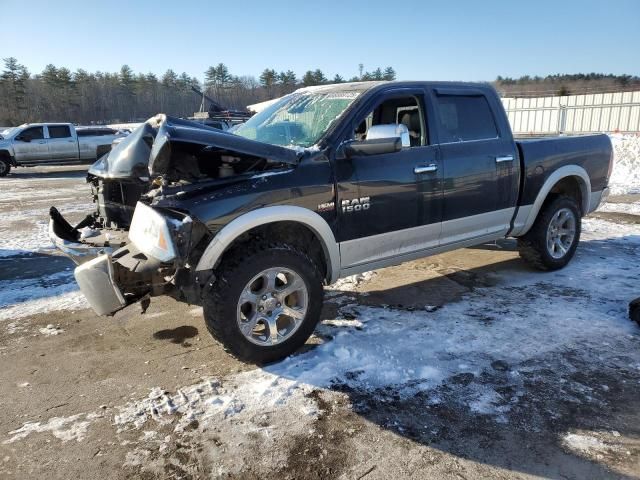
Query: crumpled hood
point(147, 151)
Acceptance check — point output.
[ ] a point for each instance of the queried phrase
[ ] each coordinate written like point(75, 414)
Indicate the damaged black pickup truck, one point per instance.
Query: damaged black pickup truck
point(324, 183)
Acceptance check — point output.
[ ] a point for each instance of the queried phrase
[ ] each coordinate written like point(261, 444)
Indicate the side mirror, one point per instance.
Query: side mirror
point(21, 138)
point(390, 130)
point(375, 146)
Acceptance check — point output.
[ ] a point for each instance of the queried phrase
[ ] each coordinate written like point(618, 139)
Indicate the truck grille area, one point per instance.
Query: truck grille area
point(116, 200)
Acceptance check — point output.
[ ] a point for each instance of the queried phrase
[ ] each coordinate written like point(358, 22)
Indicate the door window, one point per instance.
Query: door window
point(405, 111)
point(465, 117)
point(59, 131)
point(33, 133)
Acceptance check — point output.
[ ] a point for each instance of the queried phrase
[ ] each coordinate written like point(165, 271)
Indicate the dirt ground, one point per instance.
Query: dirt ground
point(154, 396)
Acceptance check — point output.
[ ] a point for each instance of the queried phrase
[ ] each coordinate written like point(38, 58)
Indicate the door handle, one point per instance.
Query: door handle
point(426, 168)
point(504, 158)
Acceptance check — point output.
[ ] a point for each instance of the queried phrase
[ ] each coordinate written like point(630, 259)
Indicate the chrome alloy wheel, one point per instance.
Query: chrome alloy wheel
point(272, 306)
point(561, 232)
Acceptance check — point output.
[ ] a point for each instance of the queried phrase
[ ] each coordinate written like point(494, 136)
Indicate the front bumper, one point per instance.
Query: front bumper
point(95, 278)
point(78, 252)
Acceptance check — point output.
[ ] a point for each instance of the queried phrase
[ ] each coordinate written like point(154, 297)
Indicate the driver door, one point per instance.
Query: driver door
point(30, 146)
point(389, 205)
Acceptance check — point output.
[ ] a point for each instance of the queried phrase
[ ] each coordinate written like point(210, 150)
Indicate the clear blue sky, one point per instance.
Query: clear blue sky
point(438, 40)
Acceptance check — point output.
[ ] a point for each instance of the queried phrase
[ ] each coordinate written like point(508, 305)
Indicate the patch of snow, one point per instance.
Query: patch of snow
point(25, 297)
point(71, 301)
point(625, 177)
point(585, 444)
point(88, 232)
point(14, 241)
point(209, 401)
point(349, 284)
point(63, 428)
point(51, 330)
point(14, 327)
point(630, 208)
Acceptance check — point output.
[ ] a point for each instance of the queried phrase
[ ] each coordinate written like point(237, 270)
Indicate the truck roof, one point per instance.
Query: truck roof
point(42, 124)
point(364, 86)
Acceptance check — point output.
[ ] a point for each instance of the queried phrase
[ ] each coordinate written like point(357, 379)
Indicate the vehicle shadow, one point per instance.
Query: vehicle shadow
point(538, 400)
point(176, 335)
point(20, 265)
point(35, 173)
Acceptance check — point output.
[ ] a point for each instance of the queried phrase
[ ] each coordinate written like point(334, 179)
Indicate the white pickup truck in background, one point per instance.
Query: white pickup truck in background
point(53, 144)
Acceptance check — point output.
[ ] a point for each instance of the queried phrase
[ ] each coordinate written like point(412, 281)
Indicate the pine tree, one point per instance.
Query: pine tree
point(268, 79)
point(389, 74)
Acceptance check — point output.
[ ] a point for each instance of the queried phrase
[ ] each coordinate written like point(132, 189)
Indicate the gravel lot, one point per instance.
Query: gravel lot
point(463, 365)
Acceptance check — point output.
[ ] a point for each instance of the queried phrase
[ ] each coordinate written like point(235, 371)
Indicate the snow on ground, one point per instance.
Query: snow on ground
point(23, 297)
point(631, 208)
point(51, 329)
point(24, 224)
point(63, 428)
point(461, 354)
point(28, 231)
point(35, 239)
point(348, 284)
point(594, 445)
point(625, 177)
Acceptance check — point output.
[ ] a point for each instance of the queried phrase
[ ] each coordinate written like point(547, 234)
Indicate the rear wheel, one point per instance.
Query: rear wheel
point(5, 166)
point(265, 302)
point(554, 236)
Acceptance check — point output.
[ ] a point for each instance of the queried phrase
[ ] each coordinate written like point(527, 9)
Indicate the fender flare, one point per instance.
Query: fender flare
point(528, 214)
point(266, 215)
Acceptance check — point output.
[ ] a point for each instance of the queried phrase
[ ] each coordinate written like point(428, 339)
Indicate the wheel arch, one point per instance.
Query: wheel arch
point(7, 154)
point(565, 178)
point(273, 215)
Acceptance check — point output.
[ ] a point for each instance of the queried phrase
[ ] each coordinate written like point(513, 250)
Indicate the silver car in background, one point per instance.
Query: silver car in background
point(53, 144)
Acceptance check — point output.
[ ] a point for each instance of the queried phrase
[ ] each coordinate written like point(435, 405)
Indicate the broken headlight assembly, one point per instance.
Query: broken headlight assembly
point(154, 234)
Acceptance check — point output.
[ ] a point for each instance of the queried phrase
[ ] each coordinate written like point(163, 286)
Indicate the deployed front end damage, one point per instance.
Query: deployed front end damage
point(155, 262)
point(131, 249)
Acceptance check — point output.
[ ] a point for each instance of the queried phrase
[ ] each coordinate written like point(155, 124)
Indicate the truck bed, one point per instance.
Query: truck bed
point(541, 157)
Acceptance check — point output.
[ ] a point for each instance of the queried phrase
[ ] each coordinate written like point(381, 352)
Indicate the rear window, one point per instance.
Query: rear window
point(464, 118)
point(59, 131)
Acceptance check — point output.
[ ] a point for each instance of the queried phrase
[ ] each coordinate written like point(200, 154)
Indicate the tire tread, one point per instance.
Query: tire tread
point(532, 246)
point(223, 329)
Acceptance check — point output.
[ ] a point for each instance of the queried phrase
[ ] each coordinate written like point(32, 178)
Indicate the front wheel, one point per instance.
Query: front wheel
point(265, 302)
point(5, 167)
point(554, 236)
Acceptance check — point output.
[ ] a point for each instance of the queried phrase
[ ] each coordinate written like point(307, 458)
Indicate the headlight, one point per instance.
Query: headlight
point(150, 232)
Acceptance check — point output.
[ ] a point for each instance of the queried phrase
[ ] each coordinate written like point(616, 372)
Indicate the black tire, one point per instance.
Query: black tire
point(533, 246)
point(236, 270)
point(5, 166)
point(634, 310)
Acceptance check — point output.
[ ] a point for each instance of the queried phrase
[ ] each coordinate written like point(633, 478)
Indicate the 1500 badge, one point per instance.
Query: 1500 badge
point(355, 204)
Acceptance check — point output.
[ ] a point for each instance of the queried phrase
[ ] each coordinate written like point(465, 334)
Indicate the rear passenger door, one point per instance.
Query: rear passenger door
point(480, 169)
point(62, 144)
